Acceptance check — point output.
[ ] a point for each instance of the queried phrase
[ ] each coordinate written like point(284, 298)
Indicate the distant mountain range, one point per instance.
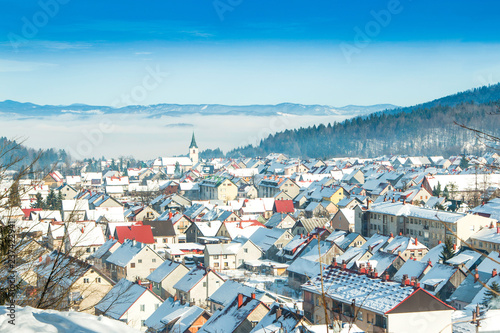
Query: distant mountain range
point(159, 110)
point(423, 129)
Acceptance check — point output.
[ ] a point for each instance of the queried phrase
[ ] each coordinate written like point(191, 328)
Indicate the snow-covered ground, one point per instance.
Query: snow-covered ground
point(30, 320)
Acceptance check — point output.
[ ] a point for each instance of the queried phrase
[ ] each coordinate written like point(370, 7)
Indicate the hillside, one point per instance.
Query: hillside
point(420, 130)
point(11, 151)
point(13, 108)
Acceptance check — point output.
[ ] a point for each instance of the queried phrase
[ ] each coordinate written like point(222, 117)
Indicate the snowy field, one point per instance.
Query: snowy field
point(30, 320)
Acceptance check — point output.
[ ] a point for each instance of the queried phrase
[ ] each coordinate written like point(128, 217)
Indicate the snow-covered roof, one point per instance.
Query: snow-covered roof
point(434, 254)
point(162, 271)
point(126, 252)
point(375, 242)
point(184, 317)
point(229, 318)
point(466, 257)
point(242, 228)
point(209, 229)
point(412, 268)
point(167, 307)
point(490, 235)
point(101, 251)
point(120, 298)
point(265, 238)
point(189, 280)
point(222, 249)
point(230, 289)
point(403, 243)
point(287, 322)
point(369, 293)
point(489, 263)
point(403, 209)
point(437, 277)
point(85, 234)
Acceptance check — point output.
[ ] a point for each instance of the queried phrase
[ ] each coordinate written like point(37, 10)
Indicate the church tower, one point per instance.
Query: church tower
point(193, 151)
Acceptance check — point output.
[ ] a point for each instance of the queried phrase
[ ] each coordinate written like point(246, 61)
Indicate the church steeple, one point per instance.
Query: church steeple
point(193, 150)
point(193, 143)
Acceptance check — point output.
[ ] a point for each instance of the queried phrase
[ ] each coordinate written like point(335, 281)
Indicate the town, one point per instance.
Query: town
point(273, 244)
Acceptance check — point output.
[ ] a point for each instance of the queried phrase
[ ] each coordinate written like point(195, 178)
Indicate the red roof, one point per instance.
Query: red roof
point(27, 212)
point(141, 233)
point(284, 206)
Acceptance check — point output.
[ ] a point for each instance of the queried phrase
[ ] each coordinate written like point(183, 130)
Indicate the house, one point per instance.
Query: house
point(407, 247)
point(133, 261)
point(283, 206)
point(169, 306)
point(218, 188)
point(468, 289)
point(374, 304)
point(75, 210)
point(344, 219)
point(442, 280)
point(67, 191)
point(413, 269)
point(99, 257)
point(230, 256)
point(302, 270)
point(71, 283)
point(185, 320)
point(234, 229)
point(316, 209)
point(198, 285)
point(487, 239)
point(140, 213)
point(163, 233)
point(129, 302)
point(223, 296)
point(140, 233)
point(383, 263)
point(53, 180)
point(270, 241)
point(282, 318)
point(240, 316)
point(203, 232)
point(83, 239)
point(307, 225)
point(165, 276)
point(271, 185)
point(282, 221)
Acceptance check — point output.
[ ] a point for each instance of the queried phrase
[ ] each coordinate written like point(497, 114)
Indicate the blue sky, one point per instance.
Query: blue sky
point(246, 51)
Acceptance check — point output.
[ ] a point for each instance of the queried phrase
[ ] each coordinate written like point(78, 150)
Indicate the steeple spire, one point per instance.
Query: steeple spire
point(193, 143)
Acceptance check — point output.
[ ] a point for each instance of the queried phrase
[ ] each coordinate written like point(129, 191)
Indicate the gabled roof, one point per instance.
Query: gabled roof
point(101, 251)
point(230, 289)
point(229, 318)
point(161, 228)
point(287, 321)
point(265, 238)
point(120, 298)
point(140, 233)
point(125, 253)
point(162, 271)
point(284, 206)
point(170, 305)
point(191, 279)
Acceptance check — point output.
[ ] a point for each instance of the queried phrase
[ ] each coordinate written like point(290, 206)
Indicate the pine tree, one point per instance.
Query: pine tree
point(492, 297)
point(59, 201)
point(448, 251)
point(437, 190)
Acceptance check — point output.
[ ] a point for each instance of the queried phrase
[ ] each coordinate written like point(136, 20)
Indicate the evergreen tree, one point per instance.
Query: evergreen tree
point(51, 202)
point(446, 192)
point(448, 251)
point(40, 203)
point(436, 191)
point(464, 164)
point(14, 198)
point(492, 297)
point(59, 201)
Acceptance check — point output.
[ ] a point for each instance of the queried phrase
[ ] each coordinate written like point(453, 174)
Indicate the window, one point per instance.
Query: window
point(225, 256)
point(216, 264)
point(157, 306)
point(165, 240)
point(143, 323)
point(88, 250)
point(98, 279)
point(143, 307)
point(360, 316)
point(204, 284)
point(245, 250)
point(139, 261)
point(216, 257)
point(153, 260)
point(85, 280)
point(132, 265)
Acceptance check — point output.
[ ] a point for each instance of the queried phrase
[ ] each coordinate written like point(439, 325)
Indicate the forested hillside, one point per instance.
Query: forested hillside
point(12, 150)
point(423, 131)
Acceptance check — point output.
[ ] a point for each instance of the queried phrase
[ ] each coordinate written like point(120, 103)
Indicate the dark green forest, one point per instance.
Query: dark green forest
point(11, 151)
point(426, 129)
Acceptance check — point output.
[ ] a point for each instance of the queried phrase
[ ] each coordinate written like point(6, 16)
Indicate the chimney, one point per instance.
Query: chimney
point(416, 240)
point(476, 276)
point(253, 295)
point(375, 274)
point(40, 259)
point(386, 277)
point(343, 265)
point(278, 313)
point(240, 300)
point(175, 298)
point(150, 286)
point(454, 247)
point(494, 272)
point(439, 242)
point(139, 282)
point(498, 229)
point(391, 235)
point(400, 233)
point(407, 281)
point(335, 262)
